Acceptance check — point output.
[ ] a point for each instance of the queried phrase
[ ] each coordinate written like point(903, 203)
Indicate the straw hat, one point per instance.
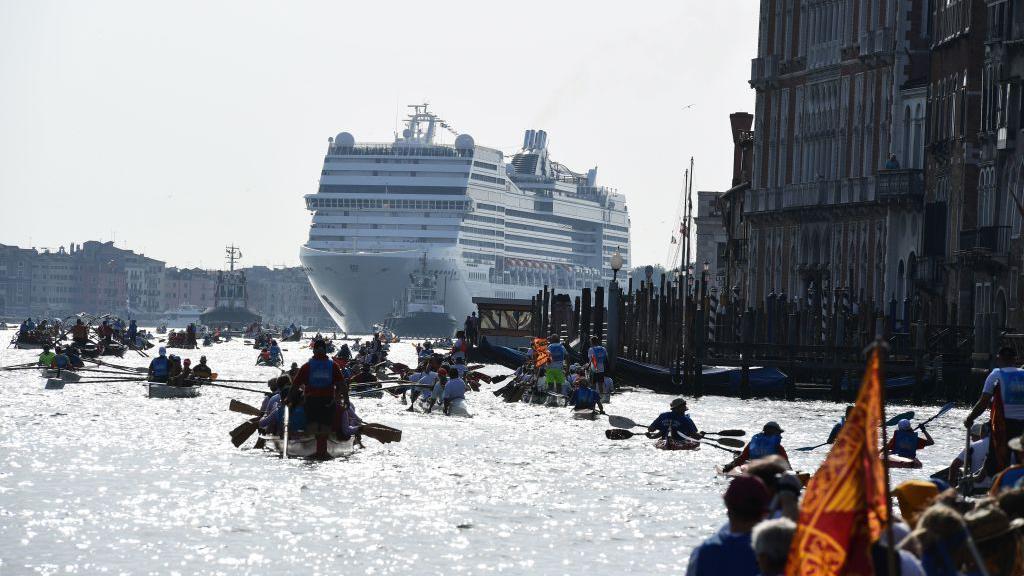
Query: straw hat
point(990, 522)
point(914, 497)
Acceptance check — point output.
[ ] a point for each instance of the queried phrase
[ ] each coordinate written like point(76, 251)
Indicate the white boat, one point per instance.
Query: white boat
point(458, 408)
point(304, 445)
point(160, 390)
point(459, 213)
point(181, 317)
point(584, 414)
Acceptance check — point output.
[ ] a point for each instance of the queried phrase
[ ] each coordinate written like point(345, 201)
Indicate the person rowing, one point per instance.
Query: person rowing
point(839, 426)
point(80, 333)
point(46, 358)
point(585, 398)
point(674, 424)
point(905, 442)
point(1003, 387)
point(264, 358)
point(323, 384)
point(454, 390)
point(437, 392)
point(981, 435)
point(202, 370)
point(275, 353)
point(554, 376)
point(160, 366)
point(598, 357)
point(75, 357)
point(764, 443)
point(61, 361)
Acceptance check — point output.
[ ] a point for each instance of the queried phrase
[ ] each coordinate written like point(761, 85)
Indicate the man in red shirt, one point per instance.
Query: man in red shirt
point(323, 385)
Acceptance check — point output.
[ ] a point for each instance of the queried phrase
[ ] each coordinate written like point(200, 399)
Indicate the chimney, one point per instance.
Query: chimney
point(741, 146)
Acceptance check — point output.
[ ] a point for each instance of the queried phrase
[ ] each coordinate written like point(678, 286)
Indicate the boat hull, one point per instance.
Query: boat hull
point(676, 444)
point(304, 446)
point(159, 390)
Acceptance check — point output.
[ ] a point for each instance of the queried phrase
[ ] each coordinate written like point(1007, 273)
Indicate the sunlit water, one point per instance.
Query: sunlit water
point(96, 478)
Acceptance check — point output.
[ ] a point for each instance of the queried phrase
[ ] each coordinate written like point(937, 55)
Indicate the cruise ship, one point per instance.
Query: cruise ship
point(483, 227)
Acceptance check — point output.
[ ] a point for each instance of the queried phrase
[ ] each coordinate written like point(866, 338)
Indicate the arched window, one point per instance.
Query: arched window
point(907, 143)
point(918, 137)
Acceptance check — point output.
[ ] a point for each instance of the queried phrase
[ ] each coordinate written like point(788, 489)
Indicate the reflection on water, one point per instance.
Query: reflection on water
point(98, 478)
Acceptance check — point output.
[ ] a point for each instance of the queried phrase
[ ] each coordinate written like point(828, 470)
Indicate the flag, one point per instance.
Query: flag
point(844, 508)
point(541, 356)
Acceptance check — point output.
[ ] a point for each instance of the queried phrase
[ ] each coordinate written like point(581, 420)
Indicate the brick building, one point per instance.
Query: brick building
point(193, 286)
point(834, 204)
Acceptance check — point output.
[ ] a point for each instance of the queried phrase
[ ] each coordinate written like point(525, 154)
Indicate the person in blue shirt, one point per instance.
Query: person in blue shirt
point(839, 426)
point(585, 398)
point(597, 355)
point(554, 377)
point(906, 443)
point(75, 357)
point(674, 422)
point(729, 551)
point(133, 331)
point(764, 443)
point(275, 353)
point(159, 367)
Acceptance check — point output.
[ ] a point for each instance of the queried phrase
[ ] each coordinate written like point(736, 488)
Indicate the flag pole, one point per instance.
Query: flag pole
point(880, 349)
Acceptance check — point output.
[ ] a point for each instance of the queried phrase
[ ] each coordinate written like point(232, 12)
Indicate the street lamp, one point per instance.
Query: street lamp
point(616, 265)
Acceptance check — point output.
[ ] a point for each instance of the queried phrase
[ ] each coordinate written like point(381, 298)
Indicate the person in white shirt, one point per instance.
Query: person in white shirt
point(980, 436)
point(454, 390)
point(1008, 381)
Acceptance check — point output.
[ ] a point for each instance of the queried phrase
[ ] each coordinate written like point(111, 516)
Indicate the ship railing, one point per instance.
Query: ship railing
point(435, 150)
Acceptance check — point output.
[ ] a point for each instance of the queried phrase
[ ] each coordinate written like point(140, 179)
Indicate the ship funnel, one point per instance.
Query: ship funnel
point(592, 177)
point(528, 140)
point(542, 140)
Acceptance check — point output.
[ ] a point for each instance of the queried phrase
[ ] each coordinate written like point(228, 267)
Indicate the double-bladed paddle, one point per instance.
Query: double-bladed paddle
point(890, 422)
point(623, 422)
point(620, 434)
point(945, 408)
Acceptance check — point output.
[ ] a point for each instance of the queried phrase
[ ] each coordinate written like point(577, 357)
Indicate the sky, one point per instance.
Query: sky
point(176, 128)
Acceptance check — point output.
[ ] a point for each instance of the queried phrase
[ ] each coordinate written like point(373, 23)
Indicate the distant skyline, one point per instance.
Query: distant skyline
point(178, 128)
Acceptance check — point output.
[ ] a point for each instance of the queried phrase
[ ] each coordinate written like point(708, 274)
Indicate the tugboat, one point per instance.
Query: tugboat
point(421, 311)
point(231, 301)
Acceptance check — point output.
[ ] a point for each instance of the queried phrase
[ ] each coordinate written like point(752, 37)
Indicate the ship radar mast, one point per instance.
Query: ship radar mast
point(233, 254)
point(422, 125)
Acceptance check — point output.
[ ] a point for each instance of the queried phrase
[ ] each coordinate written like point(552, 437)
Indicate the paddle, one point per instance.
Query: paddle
point(244, 430)
point(890, 422)
point(499, 379)
point(243, 408)
point(381, 433)
point(620, 434)
point(480, 376)
point(943, 410)
point(623, 422)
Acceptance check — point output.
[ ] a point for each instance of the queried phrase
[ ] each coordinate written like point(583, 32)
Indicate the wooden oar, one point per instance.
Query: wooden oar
point(480, 376)
point(242, 433)
point(208, 383)
point(381, 433)
point(499, 379)
point(890, 422)
point(243, 408)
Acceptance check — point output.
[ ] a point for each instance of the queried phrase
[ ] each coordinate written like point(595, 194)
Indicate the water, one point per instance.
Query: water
point(98, 479)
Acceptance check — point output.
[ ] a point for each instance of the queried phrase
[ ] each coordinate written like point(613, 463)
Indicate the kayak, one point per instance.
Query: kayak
point(676, 444)
point(901, 462)
point(159, 390)
point(304, 445)
point(458, 408)
point(584, 414)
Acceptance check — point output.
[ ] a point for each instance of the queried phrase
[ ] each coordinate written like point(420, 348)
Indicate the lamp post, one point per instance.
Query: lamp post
point(613, 300)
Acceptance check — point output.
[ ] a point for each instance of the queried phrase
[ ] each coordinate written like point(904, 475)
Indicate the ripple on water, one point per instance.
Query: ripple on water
point(98, 478)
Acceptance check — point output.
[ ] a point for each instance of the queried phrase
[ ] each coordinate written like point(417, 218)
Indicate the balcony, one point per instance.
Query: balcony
point(764, 71)
point(900, 185)
point(876, 46)
point(985, 248)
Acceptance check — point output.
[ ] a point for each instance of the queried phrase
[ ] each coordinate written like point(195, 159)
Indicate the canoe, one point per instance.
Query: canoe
point(64, 375)
point(900, 462)
point(554, 400)
point(304, 446)
point(676, 444)
point(584, 414)
point(458, 408)
point(159, 390)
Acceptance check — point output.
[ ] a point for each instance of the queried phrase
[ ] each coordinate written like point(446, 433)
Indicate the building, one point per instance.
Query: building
point(16, 265)
point(55, 285)
point(283, 296)
point(834, 202)
point(711, 239)
point(730, 204)
point(101, 282)
point(188, 286)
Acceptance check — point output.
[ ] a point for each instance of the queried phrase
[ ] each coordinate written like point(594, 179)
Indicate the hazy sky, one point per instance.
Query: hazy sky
point(176, 128)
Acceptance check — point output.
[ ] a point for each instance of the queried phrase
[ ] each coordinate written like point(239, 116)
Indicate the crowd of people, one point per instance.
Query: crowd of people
point(175, 371)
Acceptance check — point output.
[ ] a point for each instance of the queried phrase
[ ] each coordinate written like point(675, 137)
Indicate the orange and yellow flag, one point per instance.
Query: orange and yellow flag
point(844, 508)
point(541, 356)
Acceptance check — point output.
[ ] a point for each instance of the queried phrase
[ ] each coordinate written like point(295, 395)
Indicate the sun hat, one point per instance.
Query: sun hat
point(772, 425)
point(990, 522)
point(914, 497)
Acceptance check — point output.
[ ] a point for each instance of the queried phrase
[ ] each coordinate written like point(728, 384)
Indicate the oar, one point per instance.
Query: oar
point(890, 422)
point(244, 430)
point(733, 442)
point(499, 379)
point(620, 434)
point(208, 383)
point(943, 410)
point(381, 433)
point(243, 408)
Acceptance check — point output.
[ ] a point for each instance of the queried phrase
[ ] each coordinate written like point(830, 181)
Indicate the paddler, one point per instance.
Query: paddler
point(839, 426)
point(454, 389)
point(80, 333)
point(75, 357)
point(980, 437)
point(764, 443)
point(461, 347)
point(186, 371)
point(323, 384)
point(1011, 477)
point(275, 353)
point(598, 357)
point(1008, 380)
point(46, 358)
point(133, 331)
point(674, 422)
point(264, 357)
point(159, 367)
point(202, 370)
point(61, 360)
point(554, 376)
point(905, 442)
point(585, 398)
point(436, 393)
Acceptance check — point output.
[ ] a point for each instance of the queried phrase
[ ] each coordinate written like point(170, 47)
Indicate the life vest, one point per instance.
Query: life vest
point(598, 358)
point(586, 398)
point(321, 376)
point(1009, 478)
point(460, 347)
point(726, 554)
point(557, 352)
point(160, 366)
point(762, 445)
point(905, 443)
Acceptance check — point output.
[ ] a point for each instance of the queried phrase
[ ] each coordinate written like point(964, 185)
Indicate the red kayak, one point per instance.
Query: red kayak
point(901, 462)
point(676, 444)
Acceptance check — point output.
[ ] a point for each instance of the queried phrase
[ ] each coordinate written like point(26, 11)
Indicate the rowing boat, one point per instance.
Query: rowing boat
point(676, 444)
point(304, 445)
point(160, 390)
point(584, 414)
point(63, 375)
point(458, 407)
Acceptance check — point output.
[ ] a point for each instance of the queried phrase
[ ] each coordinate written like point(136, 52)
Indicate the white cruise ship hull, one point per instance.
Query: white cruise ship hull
point(360, 289)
